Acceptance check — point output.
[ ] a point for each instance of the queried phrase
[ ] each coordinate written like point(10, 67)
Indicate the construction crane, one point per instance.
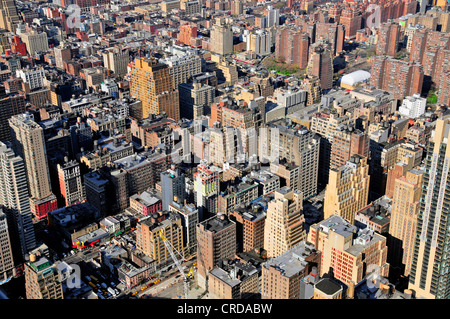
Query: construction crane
point(170, 249)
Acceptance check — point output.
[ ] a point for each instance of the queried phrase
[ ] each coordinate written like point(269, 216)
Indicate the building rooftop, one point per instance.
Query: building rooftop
point(293, 261)
point(328, 287)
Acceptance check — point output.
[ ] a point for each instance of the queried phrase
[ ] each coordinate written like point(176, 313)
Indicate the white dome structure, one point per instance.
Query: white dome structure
point(353, 79)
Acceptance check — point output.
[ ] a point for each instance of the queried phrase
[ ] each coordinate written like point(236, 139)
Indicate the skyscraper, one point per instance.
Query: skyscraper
point(14, 198)
point(348, 189)
point(404, 213)
point(9, 106)
point(173, 187)
point(388, 39)
point(398, 77)
point(116, 59)
point(206, 185)
point(320, 64)
point(291, 46)
point(284, 227)
point(70, 182)
point(216, 239)
point(42, 279)
point(152, 84)
point(8, 15)
point(6, 256)
point(221, 38)
point(28, 141)
point(429, 276)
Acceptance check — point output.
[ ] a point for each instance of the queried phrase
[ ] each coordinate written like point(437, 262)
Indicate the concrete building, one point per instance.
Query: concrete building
point(250, 223)
point(404, 216)
point(152, 84)
point(281, 276)
point(148, 238)
point(33, 77)
point(320, 64)
point(351, 254)
point(173, 187)
point(70, 183)
point(189, 220)
point(425, 279)
point(284, 226)
point(234, 280)
point(28, 142)
point(221, 37)
point(183, 67)
point(35, 42)
point(216, 240)
point(413, 106)
point(298, 146)
point(7, 266)
point(117, 59)
point(260, 42)
point(42, 278)
point(206, 187)
point(347, 191)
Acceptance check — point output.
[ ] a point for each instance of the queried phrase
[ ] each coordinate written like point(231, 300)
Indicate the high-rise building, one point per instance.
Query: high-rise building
point(351, 19)
point(250, 223)
point(96, 190)
point(206, 186)
point(350, 253)
point(116, 59)
point(70, 182)
point(291, 46)
point(9, 106)
point(388, 39)
point(148, 238)
point(320, 64)
point(152, 84)
point(348, 142)
point(273, 16)
point(334, 33)
point(183, 67)
point(444, 89)
point(195, 99)
point(398, 77)
point(221, 37)
point(260, 42)
point(35, 42)
point(14, 197)
point(6, 255)
point(298, 146)
point(186, 33)
point(428, 276)
point(173, 187)
point(347, 191)
point(413, 106)
point(216, 240)
point(28, 141)
point(9, 18)
point(284, 226)
point(281, 276)
point(189, 220)
point(42, 278)
point(311, 85)
point(404, 216)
